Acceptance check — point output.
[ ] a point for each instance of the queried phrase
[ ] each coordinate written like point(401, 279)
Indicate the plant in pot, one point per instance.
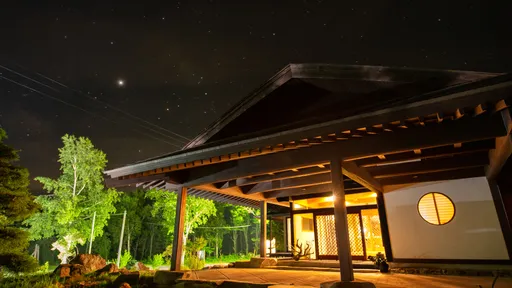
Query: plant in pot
point(380, 262)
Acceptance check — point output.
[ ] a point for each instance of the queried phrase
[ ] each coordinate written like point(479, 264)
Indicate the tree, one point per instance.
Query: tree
point(241, 218)
point(197, 211)
point(72, 198)
point(16, 205)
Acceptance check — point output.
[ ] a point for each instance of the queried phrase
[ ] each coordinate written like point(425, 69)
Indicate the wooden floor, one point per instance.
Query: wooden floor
point(314, 278)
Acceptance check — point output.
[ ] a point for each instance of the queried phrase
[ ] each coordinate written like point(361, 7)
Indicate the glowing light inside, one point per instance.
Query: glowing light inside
point(374, 194)
point(120, 82)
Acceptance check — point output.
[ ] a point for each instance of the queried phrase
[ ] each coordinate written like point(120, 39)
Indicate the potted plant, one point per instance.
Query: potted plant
point(380, 262)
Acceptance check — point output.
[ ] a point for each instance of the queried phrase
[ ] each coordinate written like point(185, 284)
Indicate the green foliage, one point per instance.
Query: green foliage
point(30, 281)
point(194, 263)
point(45, 267)
point(193, 247)
point(16, 204)
point(73, 197)
point(157, 261)
point(229, 258)
point(167, 254)
point(126, 257)
point(198, 210)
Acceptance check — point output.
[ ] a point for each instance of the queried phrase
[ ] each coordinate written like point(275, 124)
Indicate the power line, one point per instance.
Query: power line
point(105, 103)
point(81, 109)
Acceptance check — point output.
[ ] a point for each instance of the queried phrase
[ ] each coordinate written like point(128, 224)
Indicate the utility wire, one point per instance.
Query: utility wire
point(83, 110)
point(181, 141)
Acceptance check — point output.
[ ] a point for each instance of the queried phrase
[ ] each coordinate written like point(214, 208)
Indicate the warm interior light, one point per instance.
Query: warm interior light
point(374, 194)
point(329, 199)
point(297, 206)
point(347, 203)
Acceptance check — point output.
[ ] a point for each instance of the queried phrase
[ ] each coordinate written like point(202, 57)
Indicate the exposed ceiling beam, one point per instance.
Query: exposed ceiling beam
point(445, 133)
point(436, 152)
point(322, 188)
point(361, 176)
point(430, 165)
point(499, 156)
point(109, 182)
point(276, 176)
point(437, 176)
point(288, 183)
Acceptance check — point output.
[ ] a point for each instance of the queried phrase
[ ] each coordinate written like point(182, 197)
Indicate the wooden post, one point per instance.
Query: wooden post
point(179, 224)
point(263, 230)
point(292, 228)
point(285, 235)
point(340, 220)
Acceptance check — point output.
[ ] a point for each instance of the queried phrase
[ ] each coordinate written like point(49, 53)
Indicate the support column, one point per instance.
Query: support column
point(263, 229)
point(285, 235)
point(177, 243)
point(386, 241)
point(340, 220)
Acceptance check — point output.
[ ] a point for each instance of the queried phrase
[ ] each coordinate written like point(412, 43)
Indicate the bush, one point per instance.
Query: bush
point(193, 262)
point(157, 261)
point(18, 262)
point(44, 268)
point(168, 254)
point(125, 259)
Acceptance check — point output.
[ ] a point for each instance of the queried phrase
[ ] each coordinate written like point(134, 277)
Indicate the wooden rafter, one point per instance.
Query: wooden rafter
point(436, 176)
point(499, 156)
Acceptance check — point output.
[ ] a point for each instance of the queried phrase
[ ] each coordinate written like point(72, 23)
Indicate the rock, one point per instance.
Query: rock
point(132, 279)
point(141, 267)
point(69, 270)
point(262, 262)
point(163, 277)
point(90, 262)
point(110, 268)
point(353, 284)
point(125, 285)
point(242, 264)
point(231, 265)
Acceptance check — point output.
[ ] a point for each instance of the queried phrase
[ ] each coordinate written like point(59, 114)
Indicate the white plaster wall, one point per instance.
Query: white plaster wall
point(474, 232)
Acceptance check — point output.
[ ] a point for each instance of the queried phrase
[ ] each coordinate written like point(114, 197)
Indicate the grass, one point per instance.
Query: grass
point(36, 280)
point(228, 258)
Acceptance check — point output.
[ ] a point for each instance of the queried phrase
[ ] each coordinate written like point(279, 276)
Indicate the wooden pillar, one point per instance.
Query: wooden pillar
point(292, 227)
point(340, 220)
point(386, 241)
point(263, 230)
point(285, 235)
point(177, 244)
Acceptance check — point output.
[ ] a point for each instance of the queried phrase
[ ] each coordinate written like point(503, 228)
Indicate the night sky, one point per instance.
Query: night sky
point(182, 65)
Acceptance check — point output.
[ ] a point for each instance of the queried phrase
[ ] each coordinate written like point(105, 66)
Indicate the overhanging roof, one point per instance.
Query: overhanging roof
point(404, 104)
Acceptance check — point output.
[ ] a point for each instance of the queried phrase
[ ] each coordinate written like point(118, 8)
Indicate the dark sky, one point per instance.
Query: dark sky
point(184, 64)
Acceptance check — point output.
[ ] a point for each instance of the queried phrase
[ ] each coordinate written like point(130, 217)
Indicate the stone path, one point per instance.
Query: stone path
point(314, 278)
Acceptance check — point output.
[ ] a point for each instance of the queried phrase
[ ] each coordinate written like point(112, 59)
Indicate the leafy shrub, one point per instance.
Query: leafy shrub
point(17, 262)
point(157, 261)
point(125, 259)
point(194, 263)
point(44, 268)
point(168, 254)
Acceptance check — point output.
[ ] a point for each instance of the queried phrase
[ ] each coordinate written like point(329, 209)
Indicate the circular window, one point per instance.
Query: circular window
point(436, 208)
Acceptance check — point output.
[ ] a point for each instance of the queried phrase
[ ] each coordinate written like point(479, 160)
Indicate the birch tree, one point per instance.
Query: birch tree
point(73, 197)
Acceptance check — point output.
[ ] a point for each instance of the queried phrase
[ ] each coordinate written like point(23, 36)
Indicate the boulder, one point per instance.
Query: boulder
point(69, 270)
point(141, 267)
point(90, 262)
point(262, 262)
point(110, 268)
point(131, 279)
point(125, 285)
point(163, 277)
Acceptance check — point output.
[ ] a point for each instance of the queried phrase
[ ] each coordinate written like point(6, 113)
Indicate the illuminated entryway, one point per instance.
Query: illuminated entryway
point(313, 226)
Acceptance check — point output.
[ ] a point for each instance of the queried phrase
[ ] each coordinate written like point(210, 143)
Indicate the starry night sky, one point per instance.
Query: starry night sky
point(184, 63)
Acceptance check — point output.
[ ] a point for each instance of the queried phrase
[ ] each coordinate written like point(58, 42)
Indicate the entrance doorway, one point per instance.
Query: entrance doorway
point(365, 235)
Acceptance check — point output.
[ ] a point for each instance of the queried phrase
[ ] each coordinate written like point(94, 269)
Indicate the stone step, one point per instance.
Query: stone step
point(325, 269)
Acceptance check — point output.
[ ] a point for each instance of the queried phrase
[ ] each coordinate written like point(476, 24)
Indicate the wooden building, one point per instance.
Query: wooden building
point(364, 159)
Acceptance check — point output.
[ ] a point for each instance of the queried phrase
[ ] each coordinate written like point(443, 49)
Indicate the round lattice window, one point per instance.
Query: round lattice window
point(436, 208)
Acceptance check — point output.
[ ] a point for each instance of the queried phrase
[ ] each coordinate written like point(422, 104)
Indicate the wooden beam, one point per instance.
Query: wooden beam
point(361, 176)
point(115, 182)
point(316, 189)
point(341, 221)
point(288, 183)
point(263, 229)
point(236, 192)
point(430, 165)
point(277, 176)
point(429, 136)
point(177, 247)
point(437, 176)
point(436, 152)
point(499, 156)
